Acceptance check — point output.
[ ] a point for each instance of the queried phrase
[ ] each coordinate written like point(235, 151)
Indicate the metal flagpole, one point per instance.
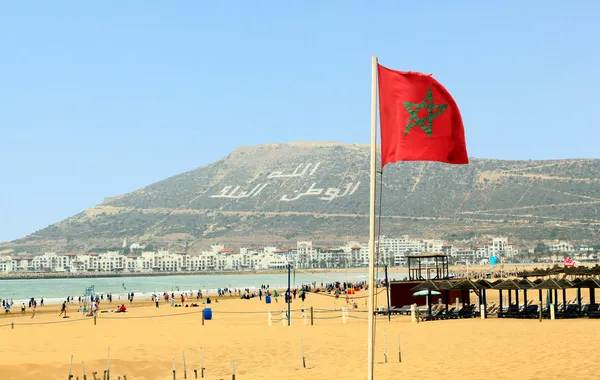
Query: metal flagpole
point(289, 296)
point(373, 195)
point(387, 292)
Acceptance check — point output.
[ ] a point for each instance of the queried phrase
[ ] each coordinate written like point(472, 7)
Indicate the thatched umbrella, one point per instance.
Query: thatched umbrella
point(446, 286)
point(526, 284)
point(550, 284)
point(465, 286)
point(486, 285)
point(566, 284)
point(510, 285)
point(426, 285)
point(592, 284)
point(430, 286)
point(536, 272)
point(556, 270)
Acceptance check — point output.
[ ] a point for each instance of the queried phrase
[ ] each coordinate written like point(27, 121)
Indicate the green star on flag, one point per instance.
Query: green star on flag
point(425, 122)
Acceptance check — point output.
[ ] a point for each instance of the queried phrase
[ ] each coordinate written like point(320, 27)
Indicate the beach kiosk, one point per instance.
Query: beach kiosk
point(424, 267)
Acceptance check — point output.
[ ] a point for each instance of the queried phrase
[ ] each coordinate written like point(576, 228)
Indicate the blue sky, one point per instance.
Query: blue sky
point(99, 100)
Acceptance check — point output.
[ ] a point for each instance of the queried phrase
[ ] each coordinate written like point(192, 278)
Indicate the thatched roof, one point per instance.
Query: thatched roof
point(566, 283)
point(427, 285)
point(551, 283)
point(433, 285)
point(509, 285)
point(485, 283)
point(589, 283)
point(526, 284)
point(466, 285)
point(445, 284)
point(535, 272)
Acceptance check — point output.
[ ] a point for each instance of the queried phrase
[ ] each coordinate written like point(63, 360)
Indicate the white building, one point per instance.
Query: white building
point(562, 246)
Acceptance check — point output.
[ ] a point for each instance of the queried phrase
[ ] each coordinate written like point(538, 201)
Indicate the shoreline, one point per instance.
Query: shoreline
point(63, 275)
point(66, 275)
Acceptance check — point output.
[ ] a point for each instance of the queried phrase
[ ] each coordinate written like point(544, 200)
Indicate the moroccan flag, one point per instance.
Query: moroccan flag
point(419, 119)
point(568, 262)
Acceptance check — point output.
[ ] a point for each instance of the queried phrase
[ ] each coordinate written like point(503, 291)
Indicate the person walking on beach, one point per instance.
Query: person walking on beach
point(156, 299)
point(33, 312)
point(63, 309)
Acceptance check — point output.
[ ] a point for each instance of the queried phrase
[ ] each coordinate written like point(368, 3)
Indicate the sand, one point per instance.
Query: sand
point(144, 341)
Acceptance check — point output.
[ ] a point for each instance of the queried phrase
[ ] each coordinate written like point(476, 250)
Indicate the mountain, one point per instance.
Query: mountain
point(281, 193)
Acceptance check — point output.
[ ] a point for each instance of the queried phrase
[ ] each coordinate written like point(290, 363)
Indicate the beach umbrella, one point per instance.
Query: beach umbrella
point(426, 292)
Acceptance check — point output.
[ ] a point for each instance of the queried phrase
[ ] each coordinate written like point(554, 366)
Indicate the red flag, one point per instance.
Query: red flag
point(568, 262)
point(419, 119)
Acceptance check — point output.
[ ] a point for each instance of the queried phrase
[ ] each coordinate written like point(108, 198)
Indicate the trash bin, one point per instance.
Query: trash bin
point(268, 299)
point(207, 314)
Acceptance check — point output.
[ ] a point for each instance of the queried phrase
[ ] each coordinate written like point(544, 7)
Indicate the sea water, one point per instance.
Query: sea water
point(55, 290)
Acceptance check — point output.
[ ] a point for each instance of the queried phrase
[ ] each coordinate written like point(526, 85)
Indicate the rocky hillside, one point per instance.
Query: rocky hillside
point(280, 193)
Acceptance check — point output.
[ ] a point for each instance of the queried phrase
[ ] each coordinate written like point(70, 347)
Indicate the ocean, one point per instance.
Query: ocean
point(56, 290)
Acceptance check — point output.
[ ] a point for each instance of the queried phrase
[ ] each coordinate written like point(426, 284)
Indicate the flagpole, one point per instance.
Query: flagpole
point(373, 195)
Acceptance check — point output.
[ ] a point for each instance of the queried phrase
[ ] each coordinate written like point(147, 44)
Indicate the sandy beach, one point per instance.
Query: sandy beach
point(144, 341)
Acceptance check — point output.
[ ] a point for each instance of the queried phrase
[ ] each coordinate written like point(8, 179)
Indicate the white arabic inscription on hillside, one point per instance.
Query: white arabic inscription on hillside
point(309, 170)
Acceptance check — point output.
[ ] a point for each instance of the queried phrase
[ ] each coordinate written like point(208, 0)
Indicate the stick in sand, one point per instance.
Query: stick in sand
point(384, 346)
point(174, 376)
point(303, 357)
point(233, 370)
point(83, 371)
point(94, 375)
point(184, 366)
point(399, 352)
point(108, 365)
point(71, 368)
point(202, 362)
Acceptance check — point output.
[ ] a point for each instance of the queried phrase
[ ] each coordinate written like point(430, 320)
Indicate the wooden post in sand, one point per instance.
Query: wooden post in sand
point(83, 371)
point(174, 373)
point(94, 375)
point(385, 345)
point(233, 370)
point(108, 365)
point(203, 318)
point(12, 325)
point(311, 316)
point(303, 357)
point(201, 362)
point(195, 374)
point(399, 352)
point(71, 368)
point(184, 367)
point(94, 319)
